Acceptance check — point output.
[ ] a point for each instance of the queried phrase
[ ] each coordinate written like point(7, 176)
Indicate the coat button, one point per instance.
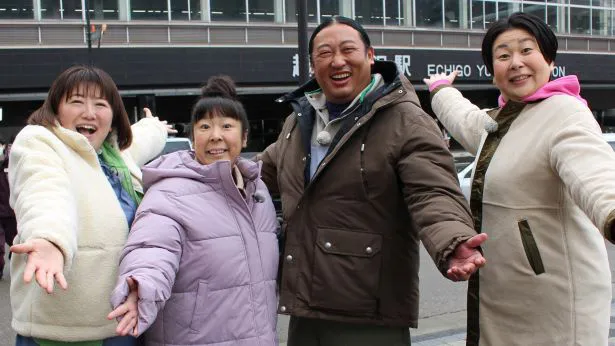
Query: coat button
point(282, 308)
point(298, 114)
point(400, 91)
point(303, 159)
point(369, 250)
point(289, 258)
point(327, 245)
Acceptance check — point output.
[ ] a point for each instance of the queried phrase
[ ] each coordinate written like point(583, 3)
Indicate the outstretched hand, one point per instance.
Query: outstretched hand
point(466, 258)
point(441, 76)
point(128, 312)
point(170, 129)
point(45, 262)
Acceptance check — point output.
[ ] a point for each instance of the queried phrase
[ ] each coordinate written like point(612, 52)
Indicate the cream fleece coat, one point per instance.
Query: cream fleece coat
point(551, 180)
point(60, 194)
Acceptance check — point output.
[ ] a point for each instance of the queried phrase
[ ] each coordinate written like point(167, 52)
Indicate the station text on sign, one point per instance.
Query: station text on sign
point(464, 70)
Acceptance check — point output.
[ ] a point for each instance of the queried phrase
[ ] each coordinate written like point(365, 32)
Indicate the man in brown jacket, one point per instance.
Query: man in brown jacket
point(363, 174)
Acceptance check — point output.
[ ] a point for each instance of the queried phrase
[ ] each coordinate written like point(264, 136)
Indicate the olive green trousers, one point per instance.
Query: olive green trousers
point(314, 332)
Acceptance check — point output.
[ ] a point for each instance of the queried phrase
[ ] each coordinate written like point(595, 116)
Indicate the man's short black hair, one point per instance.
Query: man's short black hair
point(339, 20)
point(546, 39)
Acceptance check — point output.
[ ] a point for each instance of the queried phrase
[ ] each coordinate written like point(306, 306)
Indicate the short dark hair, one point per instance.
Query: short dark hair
point(546, 39)
point(339, 20)
point(219, 96)
point(68, 83)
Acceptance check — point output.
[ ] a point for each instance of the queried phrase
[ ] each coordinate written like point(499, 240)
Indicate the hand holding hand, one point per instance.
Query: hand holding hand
point(45, 262)
point(128, 312)
point(441, 76)
point(466, 258)
point(170, 129)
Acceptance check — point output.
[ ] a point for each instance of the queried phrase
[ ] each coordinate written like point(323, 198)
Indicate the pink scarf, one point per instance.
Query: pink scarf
point(567, 85)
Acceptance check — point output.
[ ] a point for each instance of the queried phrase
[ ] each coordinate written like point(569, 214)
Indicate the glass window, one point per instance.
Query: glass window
point(228, 10)
point(261, 10)
point(291, 11)
point(535, 9)
point(600, 22)
point(50, 9)
point(451, 13)
point(185, 10)
point(579, 20)
point(195, 10)
point(103, 9)
point(580, 2)
point(482, 14)
point(429, 13)
point(392, 12)
point(368, 12)
point(72, 9)
point(329, 8)
point(149, 10)
point(557, 18)
point(179, 10)
point(506, 9)
point(490, 13)
point(476, 14)
point(16, 9)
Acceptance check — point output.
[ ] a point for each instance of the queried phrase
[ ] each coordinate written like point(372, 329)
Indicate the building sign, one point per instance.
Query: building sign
point(427, 63)
point(25, 70)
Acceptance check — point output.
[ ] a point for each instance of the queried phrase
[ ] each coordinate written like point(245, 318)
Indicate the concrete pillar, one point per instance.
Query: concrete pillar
point(205, 11)
point(346, 8)
point(36, 7)
point(407, 12)
point(123, 7)
point(463, 15)
point(562, 20)
point(278, 11)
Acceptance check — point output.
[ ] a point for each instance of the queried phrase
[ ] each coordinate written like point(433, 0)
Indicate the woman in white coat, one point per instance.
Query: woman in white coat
point(75, 184)
point(543, 189)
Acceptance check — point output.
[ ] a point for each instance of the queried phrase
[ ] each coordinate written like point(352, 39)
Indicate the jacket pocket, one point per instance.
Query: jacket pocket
point(200, 307)
point(530, 247)
point(346, 271)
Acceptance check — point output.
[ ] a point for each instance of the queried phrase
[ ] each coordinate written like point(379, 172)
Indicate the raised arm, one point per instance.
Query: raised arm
point(151, 258)
point(149, 136)
point(586, 165)
point(44, 206)
point(461, 118)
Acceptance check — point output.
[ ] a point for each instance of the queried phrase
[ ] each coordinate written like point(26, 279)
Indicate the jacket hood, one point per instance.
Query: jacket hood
point(182, 164)
point(567, 85)
point(387, 69)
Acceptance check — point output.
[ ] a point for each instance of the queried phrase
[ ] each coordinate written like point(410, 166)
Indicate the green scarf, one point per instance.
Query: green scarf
point(113, 159)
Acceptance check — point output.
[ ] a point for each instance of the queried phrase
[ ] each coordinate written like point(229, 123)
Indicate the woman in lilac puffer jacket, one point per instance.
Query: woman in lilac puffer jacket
point(201, 259)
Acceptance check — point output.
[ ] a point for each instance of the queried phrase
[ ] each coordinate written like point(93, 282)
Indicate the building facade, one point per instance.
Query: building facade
point(160, 52)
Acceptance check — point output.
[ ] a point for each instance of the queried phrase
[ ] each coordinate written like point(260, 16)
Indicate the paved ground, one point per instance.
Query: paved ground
point(442, 311)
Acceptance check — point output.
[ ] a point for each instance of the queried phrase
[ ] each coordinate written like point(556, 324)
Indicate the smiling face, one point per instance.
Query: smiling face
point(217, 138)
point(84, 110)
point(519, 68)
point(342, 64)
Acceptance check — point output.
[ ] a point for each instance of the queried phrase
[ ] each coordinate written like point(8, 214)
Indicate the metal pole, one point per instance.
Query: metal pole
point(88, 32)
point(304, 65)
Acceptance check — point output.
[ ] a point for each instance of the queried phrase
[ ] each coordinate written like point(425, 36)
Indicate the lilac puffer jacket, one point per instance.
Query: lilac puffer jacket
point(205, 257)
